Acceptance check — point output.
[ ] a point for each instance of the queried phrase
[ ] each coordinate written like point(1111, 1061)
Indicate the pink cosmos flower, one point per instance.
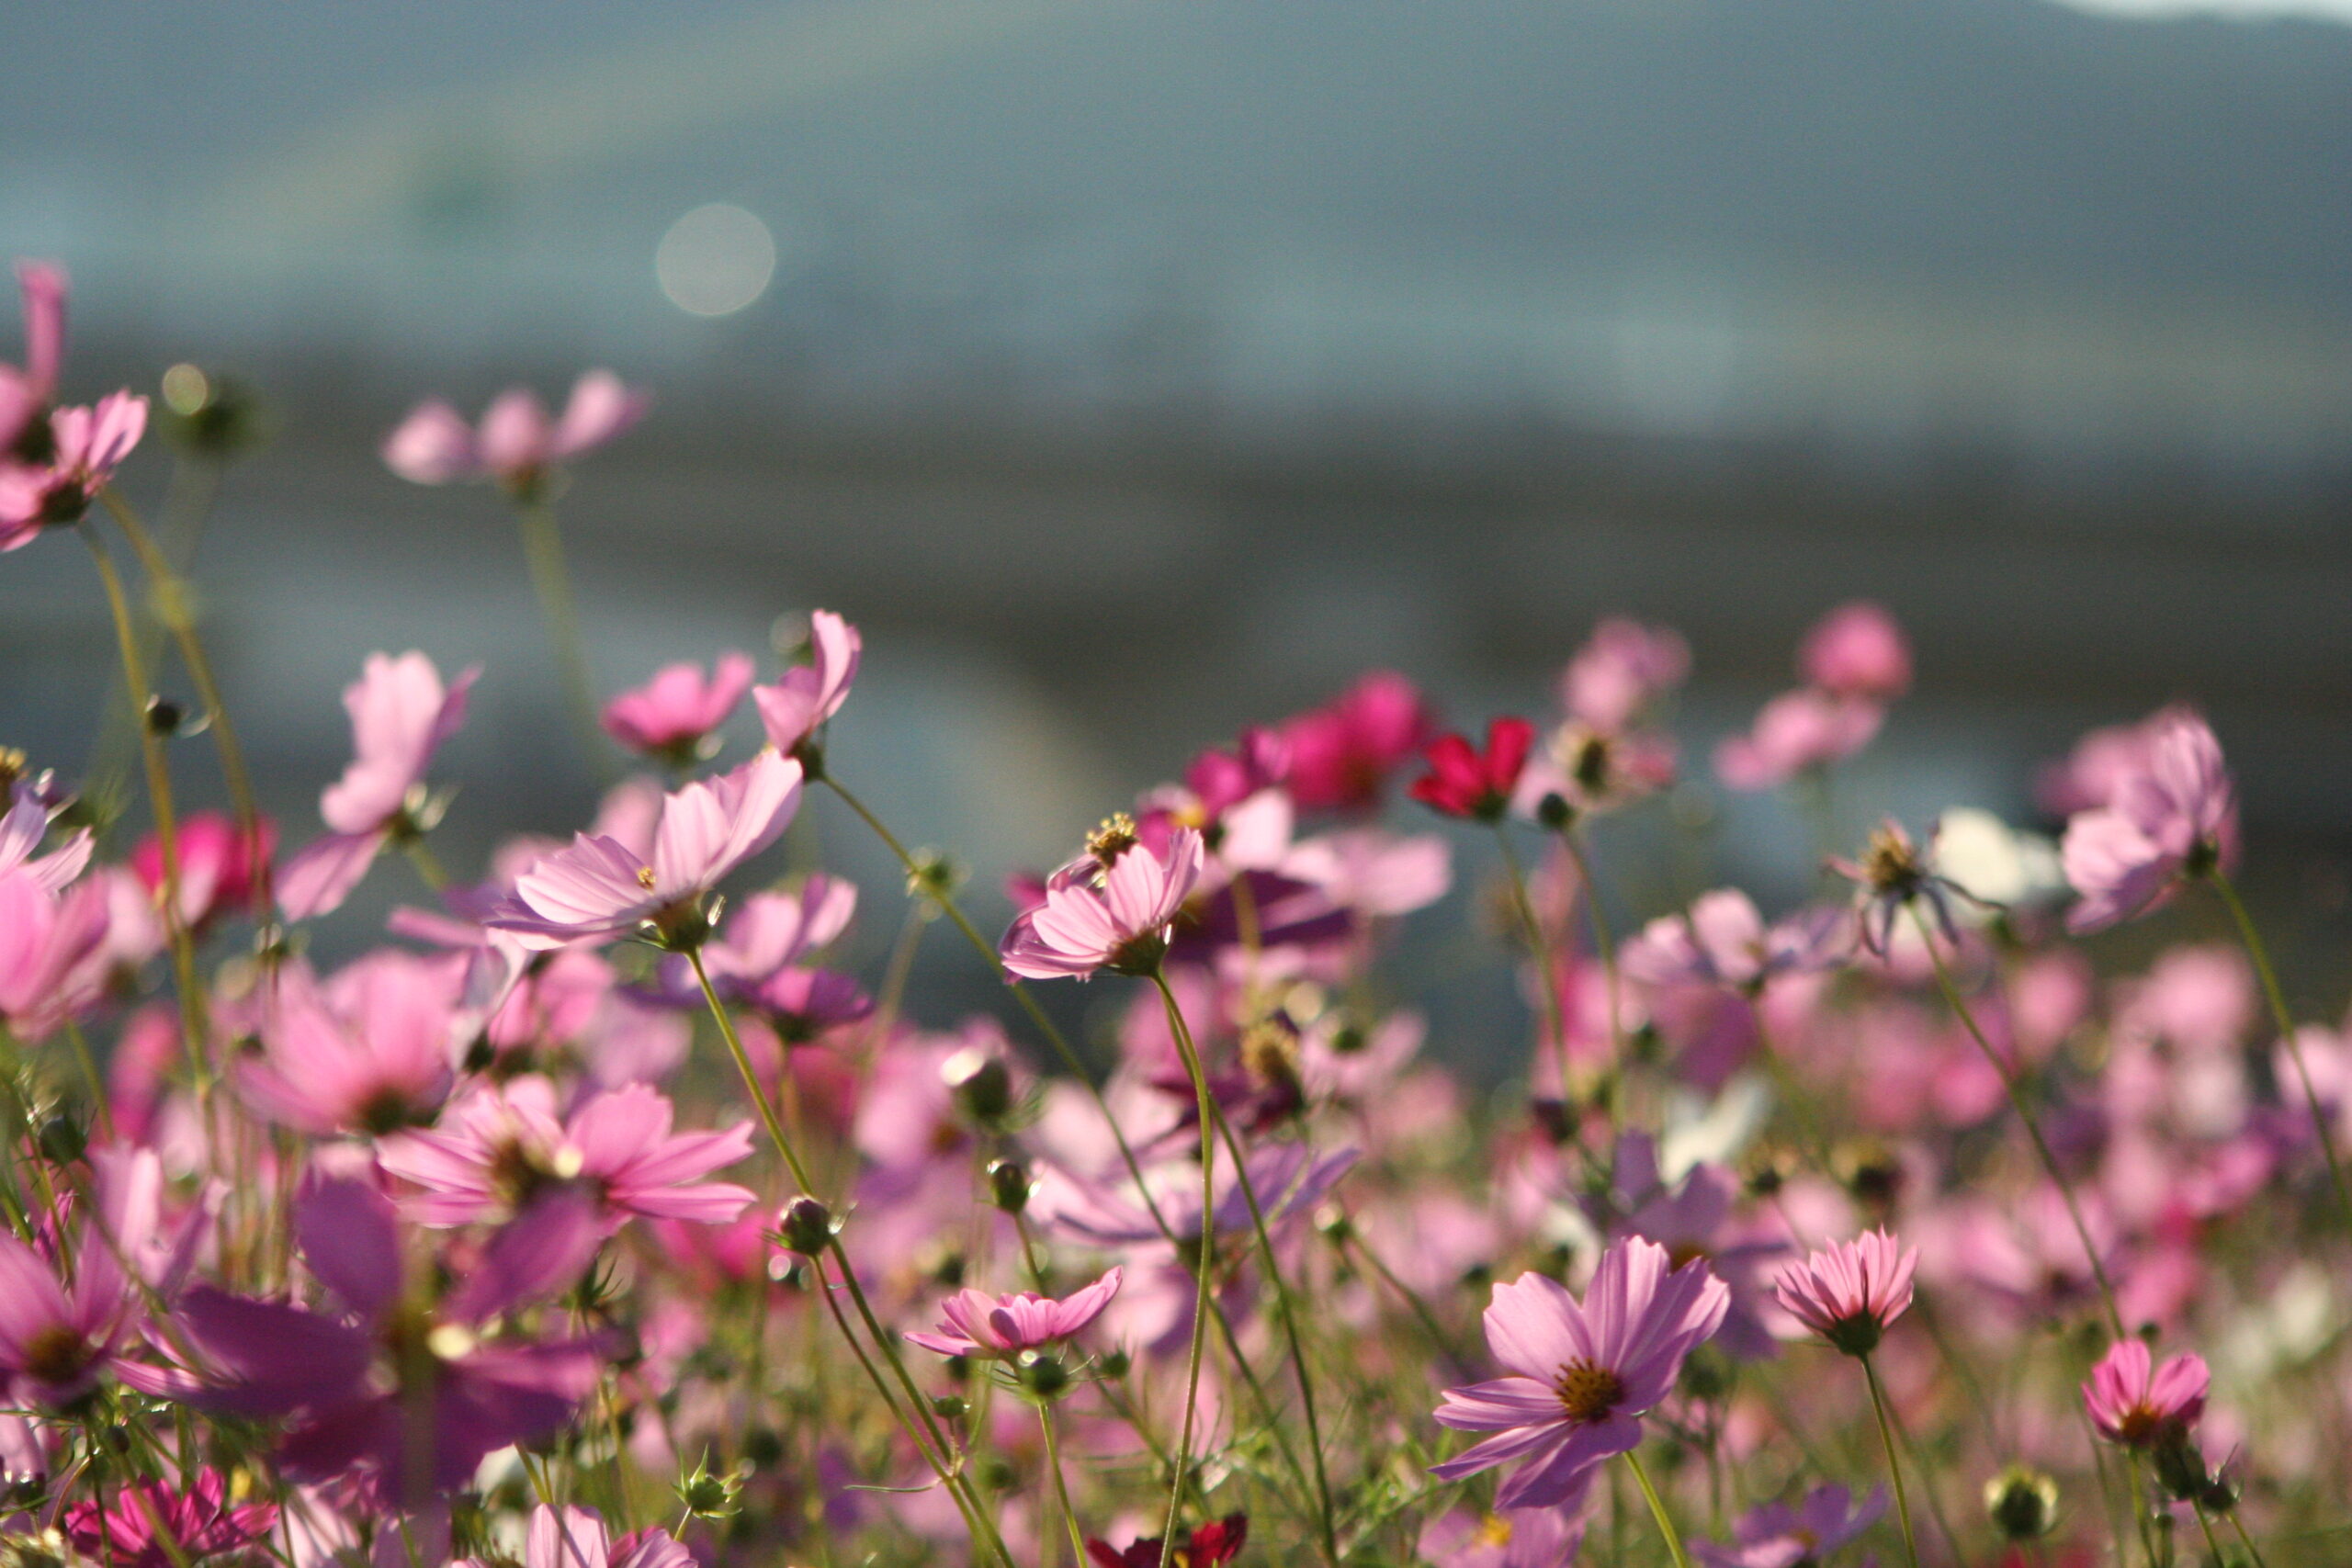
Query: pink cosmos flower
point(576, 1538)
point(806, 696)
point(1342, 755)
point(499, 1149)
point(1722, 941)
point(385, 1391)
point(400, 713)
point(1514, 1538)
point(86, 446)
point(1850, 1293)
point(1583, 1374)
point(220, 866)
point(1774, 1535)
point(1466, 780)
point(982, 1326)
point(517, 445)
point(365, 1051)
point(2175, 817)
point(2139, 1405)
point(599, 888)
point(1856, 651)
point(21, 833)
point(671, 716)
point(1120, 924)
point(1796, 732)
point(49, 941)
point(2090, 774)
point(1623, 669)
point(198, 1521)
point(26, 393)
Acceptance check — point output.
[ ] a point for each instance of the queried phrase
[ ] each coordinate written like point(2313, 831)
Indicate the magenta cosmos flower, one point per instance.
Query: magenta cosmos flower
point(400, 713)
point(221, 868)
point(1774, 1535)
point(1583, 1372)
point(985, 1327)
point(499, 1149)
point(806, 696)
point(1856, 651)
point(1342, 755)
point(576, 1538)
point(1848, 1293)
point(517, 444)
point(671, 716)
point(1724, 940)
point(152, 1524)
point(600, 888)
point(1116, 919)
point(2135, 1403)
point(2174, 816)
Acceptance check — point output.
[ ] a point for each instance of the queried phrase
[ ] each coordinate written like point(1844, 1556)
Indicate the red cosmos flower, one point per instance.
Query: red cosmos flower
point(1214, 1543)
point(1465, 782)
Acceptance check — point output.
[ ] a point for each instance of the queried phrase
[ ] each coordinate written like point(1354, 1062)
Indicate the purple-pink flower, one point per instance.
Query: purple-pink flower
point(577, 1537)
point(599, 888)
point(1622, 669)
point(517, 444)
point(369, 1050)
point(1850, 1292)
point(1797, 732)
point(400, 713)
point(1583, 1373)
point(671, 715)
point(797, 704)
point(1856, 651)
point(1724, 940)
point(1116, 919)
point(981, 1326)
point(2173, 817)
point(26, 393)
point(84, 448)
point(152, 1524)
point(1774, 1535)
point(2135, 1403)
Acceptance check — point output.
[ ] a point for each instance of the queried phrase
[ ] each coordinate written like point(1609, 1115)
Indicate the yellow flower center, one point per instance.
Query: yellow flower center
point(1587, 1392)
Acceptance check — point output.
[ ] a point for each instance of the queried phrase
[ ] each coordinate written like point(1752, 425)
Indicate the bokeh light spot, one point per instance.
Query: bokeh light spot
point(715, 260)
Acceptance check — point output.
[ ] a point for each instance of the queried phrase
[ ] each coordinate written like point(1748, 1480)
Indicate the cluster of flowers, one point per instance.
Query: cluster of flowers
point(409, 1262)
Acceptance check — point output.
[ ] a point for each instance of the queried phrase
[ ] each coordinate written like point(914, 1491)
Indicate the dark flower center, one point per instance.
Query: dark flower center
point(1114, 838)
point(57, 1354)
point(1587, 1392)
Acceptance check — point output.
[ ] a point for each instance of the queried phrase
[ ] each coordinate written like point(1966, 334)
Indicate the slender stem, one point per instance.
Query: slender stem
point(1061, 1486)
point(551, 579)
point(2239, 1525)
point(2206, 1525)
point(942, 1461)
point(1206, 1271)
point(1658, 1510)
point(159, 794)
point(2025, 1114)
point(171, 597)
point(2284, 1021)
point(1548, 971)
point(1285, 1304)
point(1893, 1460)
point(1602, 943)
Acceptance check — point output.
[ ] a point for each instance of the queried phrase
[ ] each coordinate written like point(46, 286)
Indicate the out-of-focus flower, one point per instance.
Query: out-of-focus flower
point(1856, 651)
point(1465, 781)
point(1849, 1292)
point(517, 444)
point(152, 1524)
point(1993, 862)
point(577, 1537)
point(369, 1050)
point(799, 701)
point(1341, 754)
point(2140, 1404)
point(1514, 1538)
point(49, 941)
point(1211, 1545)
point(86, 446)
point(498, 1150)
point(1796, 732)
point(982, 1326)
point(23, 827)
point(217, 865)
point(1774, 1535)
point(2173, 817)
point(598, 888)
point(26, 392)
point(1622, 670)
point(400, 713)
point(1120, 925)
point(1896, 875)
point(671, 716)
point(1724, 940)
point(1583, 1373)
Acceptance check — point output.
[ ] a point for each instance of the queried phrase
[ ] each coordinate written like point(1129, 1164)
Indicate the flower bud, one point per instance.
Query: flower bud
point(2022, 1503)
point(1116, 1364)
point(1009, 1185)
point(63, 1139)
point(981, 1083)
point(806, 1227)
point(948, 1406)
point(1555, 812)
point(707, 1495)
point(1044, 1376)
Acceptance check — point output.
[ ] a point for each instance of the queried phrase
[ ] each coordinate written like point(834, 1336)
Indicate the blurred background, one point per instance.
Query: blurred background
point(1131, 371)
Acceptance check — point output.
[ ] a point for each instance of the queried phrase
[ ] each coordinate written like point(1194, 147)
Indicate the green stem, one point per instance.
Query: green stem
point(1603, 943)
point(551, 580)
point(1206, 1270)
point(1285, 1304)
point(1539, 949)
point(2284, 1022)
point(1893, 1460)
point(1061, 1486)
point(1657, 1510)
point(2025, 1114)
point(2239, 1526)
